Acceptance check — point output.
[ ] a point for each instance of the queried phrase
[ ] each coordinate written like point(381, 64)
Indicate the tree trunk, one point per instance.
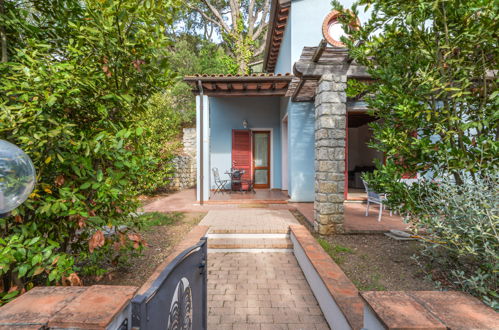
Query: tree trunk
point(243, 65)
point(3, 36)
point(243, 32)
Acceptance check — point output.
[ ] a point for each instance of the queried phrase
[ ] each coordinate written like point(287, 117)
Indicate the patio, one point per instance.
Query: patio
point(355, 219)
point(258, 196)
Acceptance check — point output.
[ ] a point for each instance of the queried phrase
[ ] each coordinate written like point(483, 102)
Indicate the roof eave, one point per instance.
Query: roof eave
point(270, 32)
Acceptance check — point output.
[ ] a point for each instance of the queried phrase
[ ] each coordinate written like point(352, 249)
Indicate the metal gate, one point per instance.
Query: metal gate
point(177, 299)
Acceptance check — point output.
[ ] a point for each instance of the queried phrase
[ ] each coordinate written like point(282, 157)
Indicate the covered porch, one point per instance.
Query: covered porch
point(240, 132)
point(258, 196)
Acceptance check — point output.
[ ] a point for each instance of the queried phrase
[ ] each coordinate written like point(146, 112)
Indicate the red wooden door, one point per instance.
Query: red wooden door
point(242, 152)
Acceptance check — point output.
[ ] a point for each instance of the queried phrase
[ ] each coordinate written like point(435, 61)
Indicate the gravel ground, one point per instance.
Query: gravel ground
point(376, 262)
point(160, 240)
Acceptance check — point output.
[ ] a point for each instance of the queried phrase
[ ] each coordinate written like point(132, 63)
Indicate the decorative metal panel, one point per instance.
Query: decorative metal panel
point(177, 299)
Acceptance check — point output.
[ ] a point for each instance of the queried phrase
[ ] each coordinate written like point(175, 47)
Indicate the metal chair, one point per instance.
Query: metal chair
point(237, 181)
point(376, 198)
point(219, 183)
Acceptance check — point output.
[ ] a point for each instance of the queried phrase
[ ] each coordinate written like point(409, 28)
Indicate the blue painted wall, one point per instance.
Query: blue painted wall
point(304, 29)
point(283, 63)
point(301, 151)
point(228, 113)
point(306, 19)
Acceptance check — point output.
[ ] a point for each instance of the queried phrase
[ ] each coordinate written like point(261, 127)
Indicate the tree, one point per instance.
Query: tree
point(79, 75)
point(242, 24)
point(434, 65)
point(435, 90)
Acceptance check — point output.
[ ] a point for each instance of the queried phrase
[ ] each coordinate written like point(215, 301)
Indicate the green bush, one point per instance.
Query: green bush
point(461, 224)
point(162, 140)
point(79, 75)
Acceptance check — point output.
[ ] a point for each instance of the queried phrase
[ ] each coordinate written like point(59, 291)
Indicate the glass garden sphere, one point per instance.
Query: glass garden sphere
point(17, 176)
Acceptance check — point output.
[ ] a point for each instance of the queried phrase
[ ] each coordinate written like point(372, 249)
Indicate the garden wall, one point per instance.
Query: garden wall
point(184, 165)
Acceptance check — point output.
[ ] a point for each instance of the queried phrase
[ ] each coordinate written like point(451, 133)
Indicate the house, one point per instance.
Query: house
point(292, 127)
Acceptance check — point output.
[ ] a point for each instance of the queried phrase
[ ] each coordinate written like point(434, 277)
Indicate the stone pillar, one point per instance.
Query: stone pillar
point(330, 133)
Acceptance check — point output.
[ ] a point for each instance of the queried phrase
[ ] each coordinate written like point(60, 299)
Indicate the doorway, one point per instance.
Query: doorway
point(360, 158)
point(261, 159)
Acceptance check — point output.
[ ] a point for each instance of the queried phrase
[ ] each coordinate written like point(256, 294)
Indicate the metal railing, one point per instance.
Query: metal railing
point(177, 299)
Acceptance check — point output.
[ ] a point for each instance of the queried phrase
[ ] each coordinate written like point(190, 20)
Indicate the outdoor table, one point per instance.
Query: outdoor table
point(237, 182)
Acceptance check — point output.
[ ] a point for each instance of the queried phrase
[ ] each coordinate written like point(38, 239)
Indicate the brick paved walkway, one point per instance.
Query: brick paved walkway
point(249, 221)
point(260, 291)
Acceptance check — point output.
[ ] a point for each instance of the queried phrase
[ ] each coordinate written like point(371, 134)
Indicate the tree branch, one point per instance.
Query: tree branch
point(3, 36)
point(216, 13)
point(251, 18)
point(259, 30)
point(234, 12)
point(206, 17)
point(260, 50)
point(264, 22)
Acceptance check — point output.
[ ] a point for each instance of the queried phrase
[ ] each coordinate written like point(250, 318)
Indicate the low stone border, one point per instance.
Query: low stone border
point(93, 307)
point(345, 308)
point(426, 310)
point(336, 294)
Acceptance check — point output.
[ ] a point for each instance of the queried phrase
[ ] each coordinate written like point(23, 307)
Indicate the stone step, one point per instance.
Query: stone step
point(239, 236)
point(249, 230)
point(249, 243)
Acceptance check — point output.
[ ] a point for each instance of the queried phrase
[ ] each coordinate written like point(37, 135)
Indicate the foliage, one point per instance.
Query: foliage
point(242, 25)
point(78, 76)
point(462, 223)
point(435, 93)
point(163, 123)
point(194, 55)
point(174, 108)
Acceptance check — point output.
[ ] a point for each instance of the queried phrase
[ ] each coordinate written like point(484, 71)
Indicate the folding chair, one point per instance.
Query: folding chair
point(219, 183)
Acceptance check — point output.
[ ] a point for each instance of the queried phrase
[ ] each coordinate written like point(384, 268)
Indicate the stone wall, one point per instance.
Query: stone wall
point(330, 123)
point(189, 141)
point(185, 164)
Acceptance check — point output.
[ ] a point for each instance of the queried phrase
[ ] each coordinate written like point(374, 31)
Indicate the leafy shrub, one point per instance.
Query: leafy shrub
point(78, 76)
point(163, 125)
point(461, 224)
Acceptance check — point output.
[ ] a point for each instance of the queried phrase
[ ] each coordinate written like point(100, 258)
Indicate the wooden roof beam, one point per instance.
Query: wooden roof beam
point(277, 92)
point(319, 51)
point(311, 69)
point(297, 90)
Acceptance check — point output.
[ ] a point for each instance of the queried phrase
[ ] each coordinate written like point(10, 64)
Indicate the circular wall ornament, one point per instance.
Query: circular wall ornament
point(332, 29)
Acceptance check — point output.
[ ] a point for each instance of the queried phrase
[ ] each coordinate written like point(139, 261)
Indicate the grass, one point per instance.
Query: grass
point(373, 283)
point(149, 220)
point(335, 251)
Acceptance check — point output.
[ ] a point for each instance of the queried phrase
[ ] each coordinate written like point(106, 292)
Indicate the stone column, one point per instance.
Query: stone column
point(330, 131)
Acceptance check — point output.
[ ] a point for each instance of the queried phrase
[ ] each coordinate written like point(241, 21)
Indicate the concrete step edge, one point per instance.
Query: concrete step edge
point(248, 231)
point(210, 250)
point(279, 243)
point(243, 236)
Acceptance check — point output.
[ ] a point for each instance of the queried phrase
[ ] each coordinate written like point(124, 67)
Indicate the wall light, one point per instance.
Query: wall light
point(245, 123)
